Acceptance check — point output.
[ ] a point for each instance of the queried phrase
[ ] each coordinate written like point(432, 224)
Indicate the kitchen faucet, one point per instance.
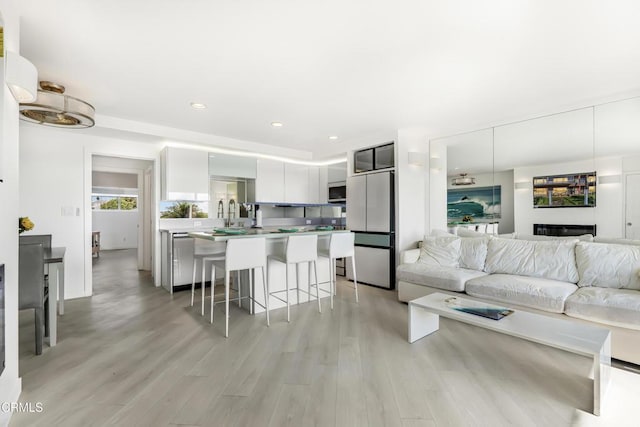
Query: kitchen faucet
point(231, 212)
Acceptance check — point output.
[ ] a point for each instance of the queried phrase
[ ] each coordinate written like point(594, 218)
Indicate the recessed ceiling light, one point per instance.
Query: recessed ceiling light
point(276, 124)
point(198, 106)
point(333, 137)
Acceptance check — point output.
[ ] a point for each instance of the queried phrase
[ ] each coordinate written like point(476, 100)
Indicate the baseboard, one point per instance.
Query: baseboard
point(12, 396)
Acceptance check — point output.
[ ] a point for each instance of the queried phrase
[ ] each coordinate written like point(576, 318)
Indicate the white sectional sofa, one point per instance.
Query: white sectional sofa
point(577, 278)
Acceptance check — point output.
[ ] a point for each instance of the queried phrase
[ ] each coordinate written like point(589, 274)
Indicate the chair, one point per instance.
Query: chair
point(299, 249)
point(341, 245)
point(205, 252)
point(45, 240)
point(481, 228)
point(242, 254)
point(31, 289)
point(492, 228)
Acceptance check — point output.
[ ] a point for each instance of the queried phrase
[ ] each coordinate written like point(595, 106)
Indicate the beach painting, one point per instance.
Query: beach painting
point(476, 202)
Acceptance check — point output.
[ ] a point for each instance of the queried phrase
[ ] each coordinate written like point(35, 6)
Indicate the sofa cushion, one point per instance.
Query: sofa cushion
point(440, 251)
point(510, 256)
point(553, 260)
point(448, 278)
point(473, 252)
point(534, 292)
point(616, 241)
point(556, 260)
point(618, 307)
point(606, 265)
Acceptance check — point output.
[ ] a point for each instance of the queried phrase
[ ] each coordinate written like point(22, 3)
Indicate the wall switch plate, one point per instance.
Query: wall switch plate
point(197, 223)
point(308, 221)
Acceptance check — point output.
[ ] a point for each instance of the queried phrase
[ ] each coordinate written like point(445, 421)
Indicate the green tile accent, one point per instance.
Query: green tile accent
point(373, 239)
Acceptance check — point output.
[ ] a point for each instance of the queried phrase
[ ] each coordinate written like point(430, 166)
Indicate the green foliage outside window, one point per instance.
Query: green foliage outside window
point(181, 210)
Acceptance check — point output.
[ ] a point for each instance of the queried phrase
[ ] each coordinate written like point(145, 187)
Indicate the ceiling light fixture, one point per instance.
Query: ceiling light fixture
point(53, 108)
point(463, 179)
point(198, 106)
point(333, 137)
point(276, 124)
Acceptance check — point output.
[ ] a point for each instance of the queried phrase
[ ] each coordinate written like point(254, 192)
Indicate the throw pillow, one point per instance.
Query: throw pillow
point(473, 252)
point(607, 265)
point(443, 251)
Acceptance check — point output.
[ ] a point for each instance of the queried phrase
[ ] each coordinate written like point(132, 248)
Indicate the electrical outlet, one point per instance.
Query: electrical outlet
point(308, 221)
point(197, 223)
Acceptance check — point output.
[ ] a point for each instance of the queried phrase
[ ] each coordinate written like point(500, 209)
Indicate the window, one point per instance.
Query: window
point(105, 202)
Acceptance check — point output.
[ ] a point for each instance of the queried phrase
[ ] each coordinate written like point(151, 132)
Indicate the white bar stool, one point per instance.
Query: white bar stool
point(341, 245)
point(205, 252)
point(299, 249)
point(243, 254)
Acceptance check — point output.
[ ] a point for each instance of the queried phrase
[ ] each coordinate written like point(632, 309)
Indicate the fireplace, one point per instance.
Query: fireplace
point(2, 320)
point(563, 229)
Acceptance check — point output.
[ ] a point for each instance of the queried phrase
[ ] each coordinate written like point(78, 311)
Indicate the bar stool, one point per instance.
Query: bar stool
point(341, 245)
point(205, 252)
point(242, 254)
point(299, 249)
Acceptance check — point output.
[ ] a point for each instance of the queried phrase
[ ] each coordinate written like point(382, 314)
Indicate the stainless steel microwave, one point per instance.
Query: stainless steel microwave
point(338, 192)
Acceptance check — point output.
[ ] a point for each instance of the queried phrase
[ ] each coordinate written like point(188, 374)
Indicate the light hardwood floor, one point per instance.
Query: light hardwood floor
point(133, 355)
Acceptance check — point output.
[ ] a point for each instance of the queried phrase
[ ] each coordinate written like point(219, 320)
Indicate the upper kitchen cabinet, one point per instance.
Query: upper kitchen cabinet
point(296, 183)
point(337, 172)
point(269, 181)
point(314, 193)
point(185, 174)
point(225, 165)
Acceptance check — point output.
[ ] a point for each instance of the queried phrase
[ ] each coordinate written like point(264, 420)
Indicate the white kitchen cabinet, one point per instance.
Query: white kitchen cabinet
point(314, 185)
point(337, 172)
point(296, 183)
point(323, 184)
point(185, 174)
point(270, 186)
point(226, 165)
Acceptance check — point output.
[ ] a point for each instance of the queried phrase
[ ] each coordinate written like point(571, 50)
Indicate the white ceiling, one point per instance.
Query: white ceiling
point(357, 69)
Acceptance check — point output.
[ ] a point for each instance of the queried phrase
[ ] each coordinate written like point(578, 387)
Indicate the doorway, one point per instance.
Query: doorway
point(632, 206)
point(121, 209)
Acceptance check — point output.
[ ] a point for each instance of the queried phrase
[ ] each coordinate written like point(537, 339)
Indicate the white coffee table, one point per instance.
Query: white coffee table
point(583, 339)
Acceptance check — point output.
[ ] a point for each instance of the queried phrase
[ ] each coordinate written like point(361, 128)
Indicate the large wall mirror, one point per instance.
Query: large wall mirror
point(515, 159)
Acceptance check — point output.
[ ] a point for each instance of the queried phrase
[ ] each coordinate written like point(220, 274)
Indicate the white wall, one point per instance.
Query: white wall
point(10, 383)
point(436, 195)
point(55, 172)
point(411, 185)
point(118, 229)
point(505, 181)
point(607, 215)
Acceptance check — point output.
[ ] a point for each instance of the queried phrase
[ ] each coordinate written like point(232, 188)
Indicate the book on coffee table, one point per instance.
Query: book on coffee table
point(491, 313)
point(478, 309)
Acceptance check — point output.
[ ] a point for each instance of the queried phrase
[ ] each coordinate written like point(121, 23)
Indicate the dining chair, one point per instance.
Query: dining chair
point(298, 250)
point(45, 240)
point(481, 227)
point(31, 289)
point(242, 254)
point(341, 245)
point(205, 252)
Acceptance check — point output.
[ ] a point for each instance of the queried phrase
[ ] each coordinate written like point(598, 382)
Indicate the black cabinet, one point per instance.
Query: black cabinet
point(374, 158)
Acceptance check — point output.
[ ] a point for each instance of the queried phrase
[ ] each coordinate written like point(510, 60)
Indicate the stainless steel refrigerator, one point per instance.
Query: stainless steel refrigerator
point(371, 216)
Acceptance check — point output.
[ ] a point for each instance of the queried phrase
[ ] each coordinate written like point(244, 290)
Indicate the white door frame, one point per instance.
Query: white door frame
point(152, 214)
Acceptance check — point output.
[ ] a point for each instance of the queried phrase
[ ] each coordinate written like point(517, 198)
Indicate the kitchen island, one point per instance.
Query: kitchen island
point(276, 241)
